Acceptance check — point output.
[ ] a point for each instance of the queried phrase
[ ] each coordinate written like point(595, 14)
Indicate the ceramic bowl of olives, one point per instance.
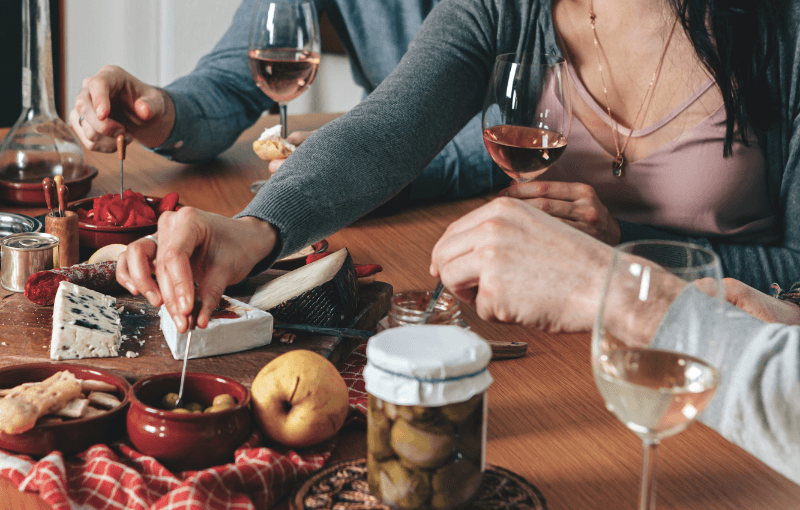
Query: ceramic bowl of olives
point(213, 419)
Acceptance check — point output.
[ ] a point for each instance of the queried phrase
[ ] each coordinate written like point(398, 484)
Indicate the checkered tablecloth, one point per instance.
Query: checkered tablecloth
point(117, 476)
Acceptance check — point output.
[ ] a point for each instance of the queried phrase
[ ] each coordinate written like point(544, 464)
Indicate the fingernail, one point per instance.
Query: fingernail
point(151, 296)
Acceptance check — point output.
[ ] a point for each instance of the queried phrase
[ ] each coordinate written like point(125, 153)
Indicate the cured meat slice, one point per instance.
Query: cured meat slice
point(41, 287)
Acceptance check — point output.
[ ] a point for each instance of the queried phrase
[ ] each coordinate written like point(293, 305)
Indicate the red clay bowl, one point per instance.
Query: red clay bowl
point(97, 236)
point(70, 436)
point(29, 191)
point(195, 441)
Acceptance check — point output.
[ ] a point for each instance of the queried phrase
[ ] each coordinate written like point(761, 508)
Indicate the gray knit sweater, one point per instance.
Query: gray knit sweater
point(359, 161)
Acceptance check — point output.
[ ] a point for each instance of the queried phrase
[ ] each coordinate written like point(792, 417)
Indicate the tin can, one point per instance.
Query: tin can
point(24, 254)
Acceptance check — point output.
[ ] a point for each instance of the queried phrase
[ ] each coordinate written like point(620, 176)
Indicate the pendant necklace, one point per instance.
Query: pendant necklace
point(619, 160)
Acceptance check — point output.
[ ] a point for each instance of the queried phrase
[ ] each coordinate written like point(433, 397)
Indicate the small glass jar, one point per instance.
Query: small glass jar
point(426, 415)
point(408, 308)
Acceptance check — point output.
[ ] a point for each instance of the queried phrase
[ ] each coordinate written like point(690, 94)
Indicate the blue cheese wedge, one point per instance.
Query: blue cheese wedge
point(85, 324)
point(234, 326)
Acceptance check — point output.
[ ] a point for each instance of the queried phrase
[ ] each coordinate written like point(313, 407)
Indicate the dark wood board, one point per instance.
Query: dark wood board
point(25, 330)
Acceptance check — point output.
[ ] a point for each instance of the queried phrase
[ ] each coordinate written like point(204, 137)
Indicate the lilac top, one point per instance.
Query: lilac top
point(685, 185)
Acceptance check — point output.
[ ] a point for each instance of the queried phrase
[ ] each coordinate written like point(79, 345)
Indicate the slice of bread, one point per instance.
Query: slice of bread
point(272, 149)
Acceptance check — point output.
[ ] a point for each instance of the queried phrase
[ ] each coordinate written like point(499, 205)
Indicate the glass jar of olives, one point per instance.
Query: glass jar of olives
point(426, 415)
point(408, 308)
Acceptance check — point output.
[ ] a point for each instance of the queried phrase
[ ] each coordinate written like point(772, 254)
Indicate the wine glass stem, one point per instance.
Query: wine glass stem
point(282, 110)
point(649, 457)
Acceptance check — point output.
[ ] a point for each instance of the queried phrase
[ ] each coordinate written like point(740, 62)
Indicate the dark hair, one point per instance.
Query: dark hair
point(736, 41)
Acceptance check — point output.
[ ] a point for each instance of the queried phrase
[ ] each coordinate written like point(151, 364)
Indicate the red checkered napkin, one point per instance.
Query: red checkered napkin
point(119, 477)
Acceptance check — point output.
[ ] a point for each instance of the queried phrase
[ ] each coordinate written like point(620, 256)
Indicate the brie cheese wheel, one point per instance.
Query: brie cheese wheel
point(234, 327)
point(85, 324)
point(322, 293)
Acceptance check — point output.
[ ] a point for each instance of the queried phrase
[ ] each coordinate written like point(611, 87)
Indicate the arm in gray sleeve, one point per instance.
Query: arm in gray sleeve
point(462, 169)
point(757, 403)
point(217, 100)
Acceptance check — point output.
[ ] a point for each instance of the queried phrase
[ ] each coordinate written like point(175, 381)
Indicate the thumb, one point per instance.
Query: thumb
point(143, 109)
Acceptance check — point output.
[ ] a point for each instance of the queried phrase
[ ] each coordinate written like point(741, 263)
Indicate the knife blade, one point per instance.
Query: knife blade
point(500, 350)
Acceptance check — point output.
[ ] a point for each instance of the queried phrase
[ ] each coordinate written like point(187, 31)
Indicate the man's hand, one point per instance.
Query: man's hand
point(114, 102)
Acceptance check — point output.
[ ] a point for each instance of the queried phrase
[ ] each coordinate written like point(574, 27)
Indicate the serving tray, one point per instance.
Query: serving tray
point(27, 328)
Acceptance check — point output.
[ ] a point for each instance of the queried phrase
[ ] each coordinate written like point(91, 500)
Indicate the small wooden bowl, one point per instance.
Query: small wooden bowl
point(69, 436)
point(97, 236)
point(190, 441)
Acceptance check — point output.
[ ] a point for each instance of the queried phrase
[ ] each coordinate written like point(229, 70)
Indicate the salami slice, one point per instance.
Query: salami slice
point(41, 287)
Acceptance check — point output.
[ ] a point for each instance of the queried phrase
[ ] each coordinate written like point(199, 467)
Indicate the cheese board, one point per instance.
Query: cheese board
point(27, 331)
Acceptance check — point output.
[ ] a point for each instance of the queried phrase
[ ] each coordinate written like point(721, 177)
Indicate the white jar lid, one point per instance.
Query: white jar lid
point(427, 365)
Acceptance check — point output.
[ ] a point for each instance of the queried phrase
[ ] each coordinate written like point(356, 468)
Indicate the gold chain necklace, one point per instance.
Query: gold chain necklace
point(619, 160)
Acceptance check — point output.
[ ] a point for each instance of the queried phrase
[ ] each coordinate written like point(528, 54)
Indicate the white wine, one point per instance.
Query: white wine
point(654, 393)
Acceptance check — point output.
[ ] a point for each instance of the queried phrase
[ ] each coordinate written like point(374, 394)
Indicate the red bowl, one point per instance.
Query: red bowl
point(30, 193)
point(97, 236)
point(71, 436)
point(191, 441)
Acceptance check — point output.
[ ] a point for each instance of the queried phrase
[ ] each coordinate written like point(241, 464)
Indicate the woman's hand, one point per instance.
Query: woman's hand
point(294, 138)
point(519, 265)
point(574, 203)
point(760, 305)
point(194, 246)
point(114, 102)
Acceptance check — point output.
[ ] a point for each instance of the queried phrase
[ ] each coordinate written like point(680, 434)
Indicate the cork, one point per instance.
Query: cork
point(66, 229)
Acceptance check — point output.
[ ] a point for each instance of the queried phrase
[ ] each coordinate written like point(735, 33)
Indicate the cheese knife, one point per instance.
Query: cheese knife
point(500, 350)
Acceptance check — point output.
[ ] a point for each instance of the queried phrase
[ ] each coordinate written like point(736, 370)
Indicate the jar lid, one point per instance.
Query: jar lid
point(29, 241)
point(427, 365)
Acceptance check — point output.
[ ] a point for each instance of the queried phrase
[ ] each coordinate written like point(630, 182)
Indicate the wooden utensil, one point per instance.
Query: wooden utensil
point(47, 186)
point(64, 225)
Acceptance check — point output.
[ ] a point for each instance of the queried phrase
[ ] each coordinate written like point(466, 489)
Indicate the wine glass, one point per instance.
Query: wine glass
point(655, 391)
point(527, 113)
point(284, 50)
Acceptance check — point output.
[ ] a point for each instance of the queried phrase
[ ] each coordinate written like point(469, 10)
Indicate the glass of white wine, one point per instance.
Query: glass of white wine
point(655, 392)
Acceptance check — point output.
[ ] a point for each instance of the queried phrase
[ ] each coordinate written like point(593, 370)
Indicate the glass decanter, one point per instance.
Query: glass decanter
point(39, 144)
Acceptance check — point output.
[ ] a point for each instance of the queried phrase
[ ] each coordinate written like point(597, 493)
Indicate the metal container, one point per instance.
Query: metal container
point(11, 223)
point(24, 254)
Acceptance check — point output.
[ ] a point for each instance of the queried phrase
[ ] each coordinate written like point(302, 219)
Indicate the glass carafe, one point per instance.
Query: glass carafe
point(39, 144)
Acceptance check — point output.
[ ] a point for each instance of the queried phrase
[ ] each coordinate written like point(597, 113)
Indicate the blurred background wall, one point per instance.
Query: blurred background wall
point(155, 40)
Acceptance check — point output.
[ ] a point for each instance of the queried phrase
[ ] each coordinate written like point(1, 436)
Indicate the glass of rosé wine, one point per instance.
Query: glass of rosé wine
point(657, 385)
point(284, 49)
point(527, 113)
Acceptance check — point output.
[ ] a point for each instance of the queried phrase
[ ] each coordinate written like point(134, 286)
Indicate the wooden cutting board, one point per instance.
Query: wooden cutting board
point(25, 330)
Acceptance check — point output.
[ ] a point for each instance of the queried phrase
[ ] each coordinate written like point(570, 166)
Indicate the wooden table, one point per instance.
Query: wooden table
point(547, 421)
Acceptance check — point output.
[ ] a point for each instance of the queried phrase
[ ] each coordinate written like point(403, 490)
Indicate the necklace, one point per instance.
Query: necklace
point(619, 160)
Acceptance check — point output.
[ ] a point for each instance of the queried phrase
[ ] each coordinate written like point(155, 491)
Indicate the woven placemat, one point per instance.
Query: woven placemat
point(343, 486)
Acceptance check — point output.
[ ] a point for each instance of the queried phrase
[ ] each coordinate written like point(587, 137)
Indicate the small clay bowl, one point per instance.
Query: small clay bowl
point(69, 436)
point(97, 236)
point(190, 441)
point(28, 190)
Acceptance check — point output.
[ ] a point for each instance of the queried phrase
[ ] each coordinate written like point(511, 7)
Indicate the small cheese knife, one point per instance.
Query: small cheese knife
point(191, 320)
point(500, 350)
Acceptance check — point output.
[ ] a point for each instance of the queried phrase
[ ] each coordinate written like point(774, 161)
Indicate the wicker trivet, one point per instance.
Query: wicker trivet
point(343, 486)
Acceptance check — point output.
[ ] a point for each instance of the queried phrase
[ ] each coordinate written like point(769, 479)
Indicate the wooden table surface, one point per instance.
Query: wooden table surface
point(547, 422)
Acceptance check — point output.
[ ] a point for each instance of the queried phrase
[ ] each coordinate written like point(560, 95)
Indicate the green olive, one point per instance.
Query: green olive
point(223, 400)
point(194, 407)
point(215, 409)
point(180, 410)
point(168, 401)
